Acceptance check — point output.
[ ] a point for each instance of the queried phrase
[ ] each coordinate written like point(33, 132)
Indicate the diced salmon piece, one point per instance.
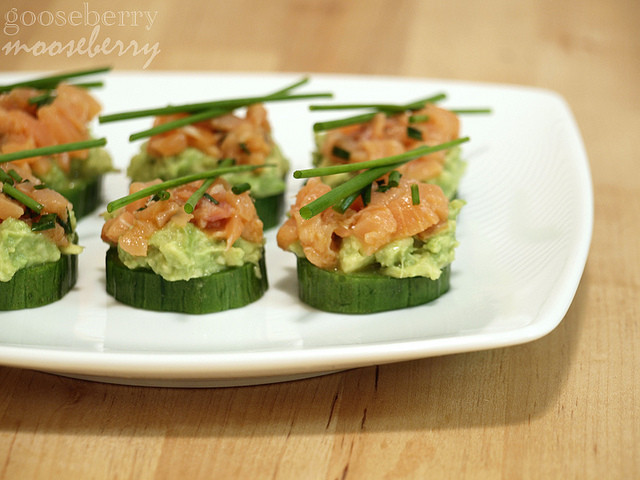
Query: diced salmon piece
point(232, 217)
point(247, 140)
point(51, 201)
point(64, 120)
point(9, 208)
point(385, 136)
point(18, 99)
point(389, 216)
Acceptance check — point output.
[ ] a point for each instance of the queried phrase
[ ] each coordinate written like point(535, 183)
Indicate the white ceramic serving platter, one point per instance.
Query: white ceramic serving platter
point(524, 238)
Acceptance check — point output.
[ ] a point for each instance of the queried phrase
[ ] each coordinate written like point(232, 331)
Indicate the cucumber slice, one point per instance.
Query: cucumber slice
point(85, 196)
point(142, 288)
point(270, 209)
point(39, 284)
point(368, 292)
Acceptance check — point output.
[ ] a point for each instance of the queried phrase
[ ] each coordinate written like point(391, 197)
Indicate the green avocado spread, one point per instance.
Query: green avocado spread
point(21, 248)
point(264, 183)
point(81, 171)
point(181, 253)
point(403, 258)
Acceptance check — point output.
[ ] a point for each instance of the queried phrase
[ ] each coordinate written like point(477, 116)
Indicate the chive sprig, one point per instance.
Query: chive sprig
point(382, 107)
point(206, 110)
point(176, 182)
point(386, 108)
point(394, 160)
point(49, 95)
point(193, 200)
point(355, 185)
point(51, 81)
point(190, 206)
point(52, 149)
point(181, 122)
point(7, 180)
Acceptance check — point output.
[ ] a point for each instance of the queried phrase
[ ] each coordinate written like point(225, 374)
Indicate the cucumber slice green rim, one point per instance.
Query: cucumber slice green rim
point(362, 293)
point(142, 288)
point(39, 285)
point(270, 209)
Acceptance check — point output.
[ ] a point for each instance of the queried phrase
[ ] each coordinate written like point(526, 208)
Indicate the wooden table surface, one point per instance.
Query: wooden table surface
point(564, 406)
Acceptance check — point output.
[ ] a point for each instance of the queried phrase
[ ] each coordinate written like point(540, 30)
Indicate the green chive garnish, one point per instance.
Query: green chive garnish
point(376, 169)
point(161, 196)
point(224, 105)
point(210, 198)
point(382, 107)
point(386, 161)
point(418, 104)
point(15, 175)
point(342, 191)
point(21, 197)
point(366, 194)
point(49, 96)
point(470, 110)
point(336, 151)
point(414, 133)
point(365, 117)
point(415, 194)
point(200, 115)
point(176, 182)
point(52, 150)
point(286, 90)
point(202, 191)
point(181, 122)
point(41, 99)
point(65, 225)
point(343, 122)
point(46, 222)
point(5, 177)
point(197, 195)
point(346, 202)
point(394, 178)
point(238, 189)
point(418, 118)
point(53, 80)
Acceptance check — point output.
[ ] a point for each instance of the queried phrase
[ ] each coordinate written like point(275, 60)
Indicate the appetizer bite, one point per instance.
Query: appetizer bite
point(47, 112)
point(195, 138)
point(192, 245)
point(38, 249)
point(379, 241)
point(388, 130)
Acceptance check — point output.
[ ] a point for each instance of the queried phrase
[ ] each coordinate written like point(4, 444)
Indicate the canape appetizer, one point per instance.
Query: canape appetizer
point(392, 130)
point(46, 112)
point(386, 244)
point(38, 250)
point(194, 138)
point(191, 245)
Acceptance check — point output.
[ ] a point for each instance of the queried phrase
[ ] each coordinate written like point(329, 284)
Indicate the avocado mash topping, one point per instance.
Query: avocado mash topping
point(81, 171)
point(181, 253)
point(22, 248)
point(403, 258)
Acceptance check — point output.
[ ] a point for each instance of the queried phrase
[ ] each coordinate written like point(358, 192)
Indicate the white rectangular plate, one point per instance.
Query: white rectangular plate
point(524, 238)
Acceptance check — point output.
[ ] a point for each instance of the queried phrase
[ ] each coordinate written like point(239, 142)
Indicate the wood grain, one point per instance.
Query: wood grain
point(565, 406)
